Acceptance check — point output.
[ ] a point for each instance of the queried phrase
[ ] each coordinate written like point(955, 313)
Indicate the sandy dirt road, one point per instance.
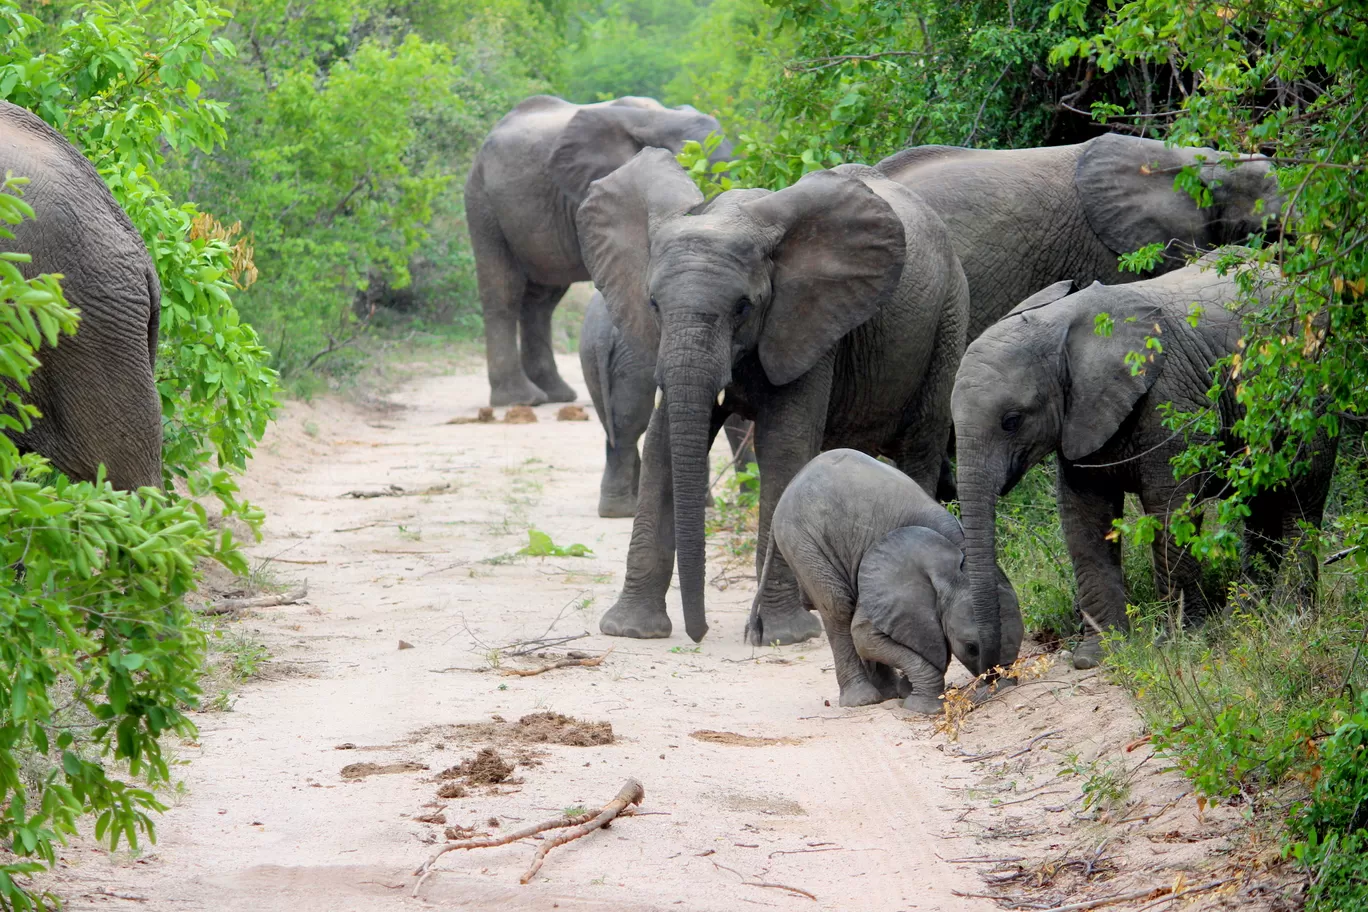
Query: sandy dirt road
point(862, 810)
point(267, 821)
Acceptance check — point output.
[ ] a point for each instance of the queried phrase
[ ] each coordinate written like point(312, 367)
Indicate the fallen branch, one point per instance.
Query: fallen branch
point(228, 606)
point(1153, 893)
point(631, 794)
point(778, 886)
point(563, 663)
point(526, 646)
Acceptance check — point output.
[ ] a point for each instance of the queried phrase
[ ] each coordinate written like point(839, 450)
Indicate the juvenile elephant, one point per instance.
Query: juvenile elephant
point(621, 381)
point(95, 390)
point(1022, 219)
point(883, 562)
point(830, 313)
point(1044, 381)
point(528, 178)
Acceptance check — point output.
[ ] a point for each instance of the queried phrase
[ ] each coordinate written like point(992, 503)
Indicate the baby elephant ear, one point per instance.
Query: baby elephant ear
point(615, 225)
point(898, 589)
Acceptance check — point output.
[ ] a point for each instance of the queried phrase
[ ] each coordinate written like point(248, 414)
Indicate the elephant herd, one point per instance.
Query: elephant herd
point(945, 302)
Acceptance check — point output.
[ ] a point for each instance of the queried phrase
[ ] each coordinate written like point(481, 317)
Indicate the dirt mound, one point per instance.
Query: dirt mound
point(554, 728)
point(362, 770)
point(572, 413)
point(452, 790)
point(719, 737)
point(485, 768)
point(484, 416)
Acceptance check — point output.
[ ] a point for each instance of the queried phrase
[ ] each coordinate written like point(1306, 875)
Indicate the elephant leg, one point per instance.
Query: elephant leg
point(538, 359)
point(1177, 573)
point(640, 609)
point(502, 285)
point(857, 687)
point(926, 681)
point(1087, 507)
point(621, 479)
point(788, 434)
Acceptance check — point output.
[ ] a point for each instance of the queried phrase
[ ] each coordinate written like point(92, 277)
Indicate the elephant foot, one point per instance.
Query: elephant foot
point(783, 629)
point(556, 389)
point(921, 703)
point(640, 619)
point(617, 507)
point(861, 693)
point(519, 392)
point(1089, 653)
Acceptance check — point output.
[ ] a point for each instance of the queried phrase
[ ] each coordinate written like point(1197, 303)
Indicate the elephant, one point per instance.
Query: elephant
point(830, 314)
point(1022, 219)
point(526, 182)
point(95, 390)
point(621, 381)
point(883, 563)
point(1044, 381)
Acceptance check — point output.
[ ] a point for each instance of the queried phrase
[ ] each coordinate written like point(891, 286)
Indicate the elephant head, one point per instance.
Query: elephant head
point(1127, 188)
point(913, 587)
point(601, 138)
point(784, 274)
point(1040, 381)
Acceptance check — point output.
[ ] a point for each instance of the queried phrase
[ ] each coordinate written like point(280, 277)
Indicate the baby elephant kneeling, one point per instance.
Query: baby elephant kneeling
point(883, 564)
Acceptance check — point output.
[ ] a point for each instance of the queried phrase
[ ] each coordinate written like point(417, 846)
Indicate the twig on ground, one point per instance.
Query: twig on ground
point(983, 860)
point(630, 793)
point(778, 886)
point(805, 851)
point(583, 824)
point(1152, 893)
point(1032, 743)
point(526, 646)
point(563, 663)
point(228, 606)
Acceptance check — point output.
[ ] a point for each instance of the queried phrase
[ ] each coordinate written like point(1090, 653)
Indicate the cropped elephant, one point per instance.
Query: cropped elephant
point(1022, 219)
point(1044, 381)
point(830, 313)
point(883, 563)
point(527, 180)
point(621, 381)
point(95, 390)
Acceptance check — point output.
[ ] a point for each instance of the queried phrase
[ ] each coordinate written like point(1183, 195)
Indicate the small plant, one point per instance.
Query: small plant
point(220, 702)
point(311, 428)
point(408, 534)
point(686, 650)
point(503, 687)
point(494, 658)
point(246, 656)
point(1106, 784)
point(539, 544)
point(573, 811)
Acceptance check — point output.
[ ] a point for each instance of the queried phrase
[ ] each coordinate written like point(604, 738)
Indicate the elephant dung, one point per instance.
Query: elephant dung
point(572, 413)
point(520, 414)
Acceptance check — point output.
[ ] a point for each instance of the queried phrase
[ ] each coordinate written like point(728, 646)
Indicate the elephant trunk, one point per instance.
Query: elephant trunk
point(691, 387)
point(978, 493)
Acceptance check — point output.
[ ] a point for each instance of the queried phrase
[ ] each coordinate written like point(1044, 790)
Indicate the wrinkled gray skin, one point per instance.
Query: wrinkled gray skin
point(95, 390)
point(1022, 219)
point(621, 381)
point(527, 180)
point(882, 562)
point(792, 309)
point(1042, 381)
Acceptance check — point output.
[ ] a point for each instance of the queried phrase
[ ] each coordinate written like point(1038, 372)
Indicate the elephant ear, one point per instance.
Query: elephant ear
point(1126, 184)
point(1102, 390)
point(900, 583)
point(615, 224)
point(1047, 295)
point(599, 140)
point(838, 252)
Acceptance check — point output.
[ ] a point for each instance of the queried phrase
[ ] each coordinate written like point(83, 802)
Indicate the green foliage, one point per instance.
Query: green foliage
point(712, 179)
point(124, 84)
point(98, 655)
point(539, 544)
point(1032, 553)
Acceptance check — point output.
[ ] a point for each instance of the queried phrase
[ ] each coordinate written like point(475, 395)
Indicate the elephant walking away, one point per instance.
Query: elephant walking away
point(529, 177)
point(1043, 381)
point(95, 390)
point(883, 564)
point(1022, 219)
point(621, 381)
point(830, 313)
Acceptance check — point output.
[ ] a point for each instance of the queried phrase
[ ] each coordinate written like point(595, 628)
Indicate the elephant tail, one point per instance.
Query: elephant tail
point(603, 358)
point(154, 315)
point(753, 622)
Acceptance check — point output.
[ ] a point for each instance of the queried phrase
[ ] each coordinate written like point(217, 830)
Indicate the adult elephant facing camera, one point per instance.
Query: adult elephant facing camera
point(529, 177)
point(831, 314)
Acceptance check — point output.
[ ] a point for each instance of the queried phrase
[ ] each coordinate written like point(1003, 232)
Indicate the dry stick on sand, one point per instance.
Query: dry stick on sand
point(582, 825)
point(563, 663)
point(228, 606)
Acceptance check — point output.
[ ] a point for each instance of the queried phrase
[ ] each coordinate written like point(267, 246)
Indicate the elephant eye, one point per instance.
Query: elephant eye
point(1010, 422)
point(972, 649)
point(743, 306)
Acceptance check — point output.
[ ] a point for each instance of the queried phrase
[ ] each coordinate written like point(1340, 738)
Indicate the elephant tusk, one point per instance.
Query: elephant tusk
point(660, 394)
point(720, 395)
